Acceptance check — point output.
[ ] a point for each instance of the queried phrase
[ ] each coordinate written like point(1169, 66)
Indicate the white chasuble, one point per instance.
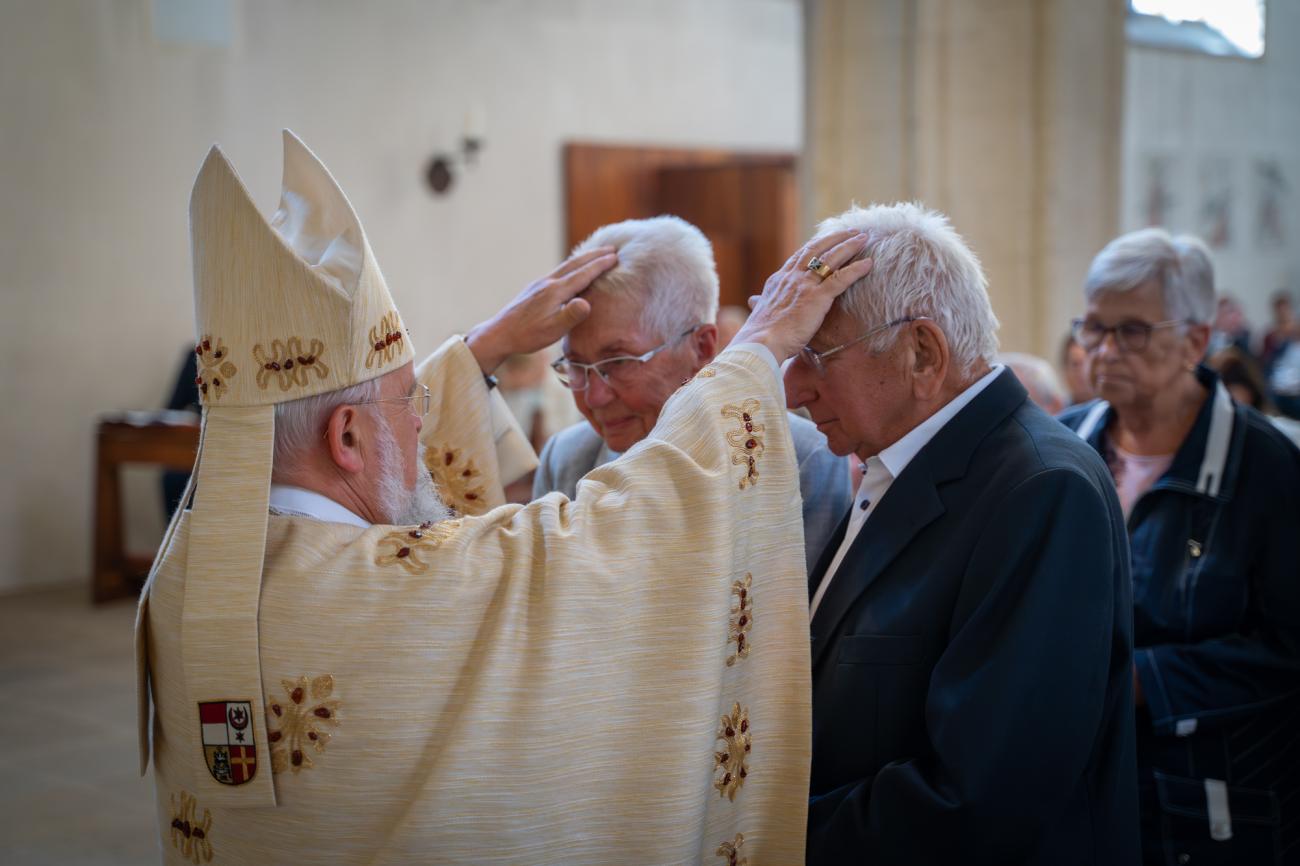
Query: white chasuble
point(617, 679)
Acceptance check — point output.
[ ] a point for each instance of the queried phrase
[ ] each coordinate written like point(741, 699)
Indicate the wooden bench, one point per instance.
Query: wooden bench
point(161, 438)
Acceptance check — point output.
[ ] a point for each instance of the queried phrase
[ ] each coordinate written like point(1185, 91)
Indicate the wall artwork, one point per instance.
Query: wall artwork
point(1270, 199)
point(1214, 212)
point(1158, 179)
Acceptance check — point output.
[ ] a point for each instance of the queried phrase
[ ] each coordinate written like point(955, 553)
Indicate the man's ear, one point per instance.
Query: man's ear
point(705, 343)
point(343, 435)
point(930, 359)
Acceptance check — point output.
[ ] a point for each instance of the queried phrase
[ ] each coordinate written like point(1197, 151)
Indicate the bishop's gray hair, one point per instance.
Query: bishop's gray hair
point(920, 267)
point(300, 424)
point(1180, 265)
point(667, 262)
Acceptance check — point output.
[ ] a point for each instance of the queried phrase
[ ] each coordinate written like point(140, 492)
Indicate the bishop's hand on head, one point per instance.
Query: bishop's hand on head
point(542, 313)
point(797, 297)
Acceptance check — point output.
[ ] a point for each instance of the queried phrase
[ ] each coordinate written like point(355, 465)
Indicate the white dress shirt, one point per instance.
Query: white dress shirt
point(881, 469)
point(298, 502)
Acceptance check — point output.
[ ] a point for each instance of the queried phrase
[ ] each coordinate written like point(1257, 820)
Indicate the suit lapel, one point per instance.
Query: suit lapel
point(828, 553)
point(911, 504)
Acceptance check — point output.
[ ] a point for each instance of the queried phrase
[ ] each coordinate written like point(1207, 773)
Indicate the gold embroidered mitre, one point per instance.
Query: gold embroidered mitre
point(286, 308)
point(291, 306)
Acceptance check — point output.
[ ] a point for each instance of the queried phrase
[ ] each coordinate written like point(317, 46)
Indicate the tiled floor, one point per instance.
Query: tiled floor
point(70, 792)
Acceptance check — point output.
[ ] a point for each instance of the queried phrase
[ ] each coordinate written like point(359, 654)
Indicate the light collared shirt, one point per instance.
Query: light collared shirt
point(881, 469)
point(298, 502)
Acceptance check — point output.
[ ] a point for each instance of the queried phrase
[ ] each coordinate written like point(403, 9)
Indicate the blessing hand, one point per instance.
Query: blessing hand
point(796, 299)
point(542, 313)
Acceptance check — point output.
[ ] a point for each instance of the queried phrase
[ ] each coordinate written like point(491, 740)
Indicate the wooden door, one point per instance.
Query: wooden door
point(745, 203)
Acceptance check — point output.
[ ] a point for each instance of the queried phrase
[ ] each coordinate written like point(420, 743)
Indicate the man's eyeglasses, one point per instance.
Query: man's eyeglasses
point(1130, 336)
point(420, 400)
point(817, 360)
point(614, 372)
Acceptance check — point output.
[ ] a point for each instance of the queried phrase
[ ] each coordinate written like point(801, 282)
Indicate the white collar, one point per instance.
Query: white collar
point(298, 502)
point(896, 457)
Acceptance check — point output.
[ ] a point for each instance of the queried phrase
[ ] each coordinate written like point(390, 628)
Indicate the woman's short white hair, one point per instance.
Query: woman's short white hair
point(300, 424)
point(669, 263)
point(920, 267)
point(1180, 265)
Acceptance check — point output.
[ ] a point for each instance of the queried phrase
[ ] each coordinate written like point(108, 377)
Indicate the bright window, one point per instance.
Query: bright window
point(1228, 28)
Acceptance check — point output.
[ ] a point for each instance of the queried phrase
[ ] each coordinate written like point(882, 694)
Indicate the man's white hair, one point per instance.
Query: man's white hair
point(668, 263)
point(921, 267)
point(1180, 265)
point(300, 424)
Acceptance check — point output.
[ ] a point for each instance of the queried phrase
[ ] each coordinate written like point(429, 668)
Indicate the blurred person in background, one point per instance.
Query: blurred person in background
point(1074, 368)
point(1230, 326)
point(1039, 378)
point(1211, 491)
point(652, 328)
point(1241, 376)
point(1285, 330)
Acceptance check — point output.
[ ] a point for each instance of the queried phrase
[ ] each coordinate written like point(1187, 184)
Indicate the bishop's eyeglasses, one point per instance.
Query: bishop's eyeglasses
point(1131, 335)
point(614, 372)
point(817, 360)
point(420, 400)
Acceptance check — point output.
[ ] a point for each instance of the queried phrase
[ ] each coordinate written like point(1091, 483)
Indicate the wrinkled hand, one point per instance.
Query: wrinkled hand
point(542, 313)
point(795, 300)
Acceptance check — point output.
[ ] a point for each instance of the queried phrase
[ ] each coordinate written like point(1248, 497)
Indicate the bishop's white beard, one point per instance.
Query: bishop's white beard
point(403, 506)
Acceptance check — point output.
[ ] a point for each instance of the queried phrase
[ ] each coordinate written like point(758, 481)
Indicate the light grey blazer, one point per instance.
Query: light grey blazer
point(823, 477)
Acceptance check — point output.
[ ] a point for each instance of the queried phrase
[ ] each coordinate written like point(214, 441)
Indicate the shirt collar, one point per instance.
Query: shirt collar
point(896, 457)
point(299, 502)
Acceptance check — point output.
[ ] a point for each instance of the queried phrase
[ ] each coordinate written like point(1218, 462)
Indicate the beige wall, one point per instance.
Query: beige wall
point(104, 126)
point(1004, 114)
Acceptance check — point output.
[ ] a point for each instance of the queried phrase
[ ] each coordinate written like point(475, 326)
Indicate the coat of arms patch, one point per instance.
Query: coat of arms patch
point(228, 747)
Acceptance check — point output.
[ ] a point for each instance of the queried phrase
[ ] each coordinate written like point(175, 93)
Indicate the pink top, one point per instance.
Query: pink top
point(1135, 474)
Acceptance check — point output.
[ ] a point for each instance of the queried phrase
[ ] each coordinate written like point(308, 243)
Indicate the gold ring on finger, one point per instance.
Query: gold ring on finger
point(820, 268)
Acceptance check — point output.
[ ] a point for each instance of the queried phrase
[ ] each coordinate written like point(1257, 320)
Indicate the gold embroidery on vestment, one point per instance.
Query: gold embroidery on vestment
point(193, 838)
point(747, 441)
point(706, 373)
point(731, 851)
point(409, 546)
point(455, 480)
point(294, 725)
point(732, 764)
point(288, 364)
point(742, 618)
point(385, 340)
point(215, 368)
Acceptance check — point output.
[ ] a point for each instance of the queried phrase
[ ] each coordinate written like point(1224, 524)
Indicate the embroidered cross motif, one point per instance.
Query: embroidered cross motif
point(455, 480)
point(295, 725)
point(288, 364)
point(730, 851)
point(742, 618)
point(215, 368)
point(746, 441)
point(193, 838)
point(385, 340)
point(732, 763)
point(410, 546)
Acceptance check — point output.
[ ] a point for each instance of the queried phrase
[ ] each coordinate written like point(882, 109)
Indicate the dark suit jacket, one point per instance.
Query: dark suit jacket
point(973, 656)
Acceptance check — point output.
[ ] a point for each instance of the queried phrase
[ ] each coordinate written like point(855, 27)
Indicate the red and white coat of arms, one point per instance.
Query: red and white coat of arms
point(228, 747)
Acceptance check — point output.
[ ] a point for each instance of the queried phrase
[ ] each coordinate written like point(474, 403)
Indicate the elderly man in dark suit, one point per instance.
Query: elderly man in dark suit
point(971, 618)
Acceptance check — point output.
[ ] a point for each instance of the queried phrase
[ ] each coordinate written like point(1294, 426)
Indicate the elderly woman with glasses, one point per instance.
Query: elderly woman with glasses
point(651, 328)
point(1211, 493)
